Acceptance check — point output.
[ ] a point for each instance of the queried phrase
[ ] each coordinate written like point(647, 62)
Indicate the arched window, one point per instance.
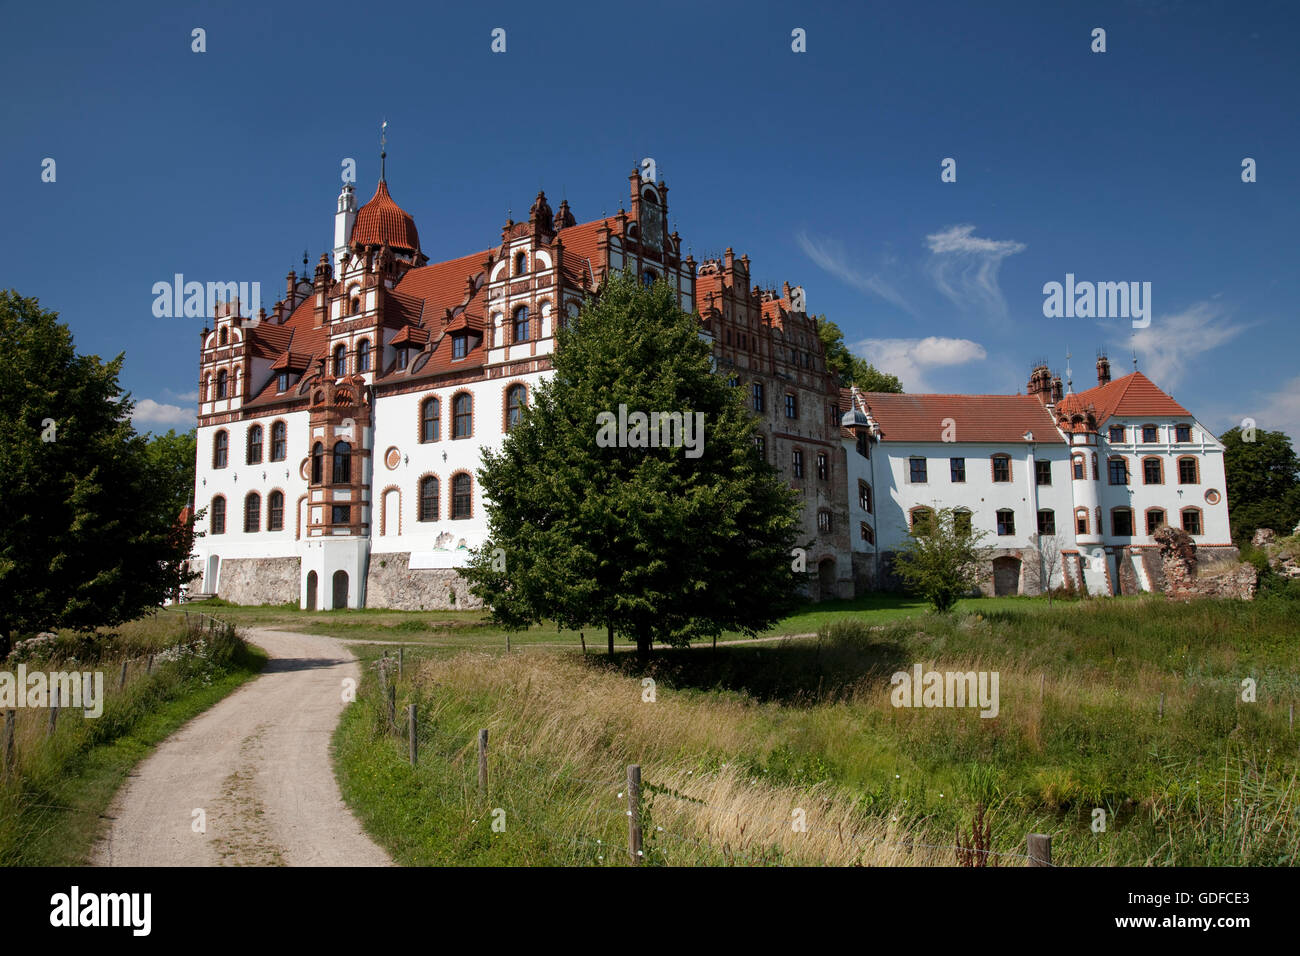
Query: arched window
point(428, 498)
point(1006, 521)
point(648, 278)
point(1192, 521)
point(1155, 518)
point(1189, 473)
point(205, 393)
point(223, 383)
point(252, 512)
point(430, 420)
point(1047, 522)
point(254, 453)
point(218, 521)
point(279, 441)
point(363, 355)
point(461, 504)
point(1153, 471)
point(521, 264)
point(824, 521)
point(1096, 473)
point(1080, 467)
point(1080, 520)
point(516, 398)
point(340, 358)
point(1121, 522)
point(463, 412)
point(1117, 471)
point(521, 324)
point(921, 519)
point(220, 448)
point(222, 337)
point(275, 512)
point(317, 461)
point(355, 305)
point(342, 470)
point(961, 521)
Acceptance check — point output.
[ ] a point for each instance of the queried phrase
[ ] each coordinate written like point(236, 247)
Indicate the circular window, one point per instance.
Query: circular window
point(305, 469)
point(392, 457)
point(1212, 496)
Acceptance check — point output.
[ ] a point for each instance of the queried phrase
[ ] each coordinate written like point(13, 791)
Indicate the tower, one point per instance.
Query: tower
point(343, 220)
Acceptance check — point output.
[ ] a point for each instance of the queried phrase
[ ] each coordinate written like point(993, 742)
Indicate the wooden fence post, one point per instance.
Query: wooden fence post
point(10, 715)
point(149, 668)
point(121, 680)
point(634, 813)
point(392, 705)
point(410, 723)
point(54, 713)
point(1040, 849)
point(507, 642)
point(401, 661)
point(583, 637)
point(482, 762)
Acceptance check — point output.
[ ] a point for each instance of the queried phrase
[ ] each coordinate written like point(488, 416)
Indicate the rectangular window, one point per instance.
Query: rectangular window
point(341, 514)
point(1192, 521)
point(1121, 523)
point(1117, 433)
point(1079, 467)
point(756, 394)
point(957, 469)
point(864, 496)
point(867, 534)
point(824, 522)
point(791, 407)
point(1043, 472)
point(823, 469)
point(1047, 522)
point(917, 470)
point(1117, 469)
point(864, 445)
point(1149, 433)
point(1155, 518)
point(1187, 471)
point(1081, 521)
point(1182, 433)
point(1006, 522)
point(796, 462)
point(1001, 468)
point(961, 523)
point(282, 382)
point(760, 443)
point(459, 346)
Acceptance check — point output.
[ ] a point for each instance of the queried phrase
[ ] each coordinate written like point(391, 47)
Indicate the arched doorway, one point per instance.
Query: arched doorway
point(1006, 575)
point(311, 590)
point(826, 579)
point(340, 589)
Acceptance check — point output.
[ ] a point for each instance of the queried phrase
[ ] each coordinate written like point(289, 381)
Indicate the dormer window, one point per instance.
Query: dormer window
point(402, 356)
point(459, 346)
point(282, 382)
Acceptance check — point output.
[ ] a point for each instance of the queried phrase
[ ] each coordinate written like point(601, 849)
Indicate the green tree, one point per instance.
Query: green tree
point(172, 456)
point(663, 544)
point(1263, 479)
point(88, 529)
point(942, 559)
point(852, 369)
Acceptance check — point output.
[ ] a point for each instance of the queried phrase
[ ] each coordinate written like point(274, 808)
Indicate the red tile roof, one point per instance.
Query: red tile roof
point(381, 221)
point(1134, 394)
point(978, 418)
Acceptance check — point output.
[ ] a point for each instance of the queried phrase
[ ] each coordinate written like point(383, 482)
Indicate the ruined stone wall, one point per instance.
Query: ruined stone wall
point(259, 580)
point(391, 583)
point(1220, 574)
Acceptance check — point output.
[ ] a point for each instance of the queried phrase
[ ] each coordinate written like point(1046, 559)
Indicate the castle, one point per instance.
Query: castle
point(340, 433)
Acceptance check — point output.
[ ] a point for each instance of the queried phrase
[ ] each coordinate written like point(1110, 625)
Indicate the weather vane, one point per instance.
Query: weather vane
point(383, 148)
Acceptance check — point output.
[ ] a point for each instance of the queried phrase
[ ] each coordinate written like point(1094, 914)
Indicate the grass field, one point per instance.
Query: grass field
point(53, 797)
point(741, 742)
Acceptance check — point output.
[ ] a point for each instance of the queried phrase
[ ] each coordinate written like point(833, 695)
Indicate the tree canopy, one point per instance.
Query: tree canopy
point(942, 559)
point(88, 515)
point(852, 369)
point(1263, 479)
point(664, 544)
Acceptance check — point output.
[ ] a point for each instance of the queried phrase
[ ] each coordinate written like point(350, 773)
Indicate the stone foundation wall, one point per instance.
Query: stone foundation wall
point(1218, 573)
point(392, 584)
point(259, 580)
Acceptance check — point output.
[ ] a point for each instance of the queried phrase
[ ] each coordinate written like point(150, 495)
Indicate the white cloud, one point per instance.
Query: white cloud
point(183, 396)
point(1278, 412)
point(965, 267)
point(829, 255)
point(912, 359)
point(1168, 345)
point(149, 412)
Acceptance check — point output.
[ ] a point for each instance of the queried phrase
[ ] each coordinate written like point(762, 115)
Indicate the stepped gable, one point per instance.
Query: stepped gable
point(978, 418)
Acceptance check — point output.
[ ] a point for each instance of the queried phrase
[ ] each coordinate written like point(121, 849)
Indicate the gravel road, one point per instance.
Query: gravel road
point(258, 765)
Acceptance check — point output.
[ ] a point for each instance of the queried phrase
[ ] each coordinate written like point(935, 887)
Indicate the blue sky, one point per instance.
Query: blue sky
point(823, 166)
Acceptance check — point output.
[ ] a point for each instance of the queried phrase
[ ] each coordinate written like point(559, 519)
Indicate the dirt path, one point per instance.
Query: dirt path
point(258, 765)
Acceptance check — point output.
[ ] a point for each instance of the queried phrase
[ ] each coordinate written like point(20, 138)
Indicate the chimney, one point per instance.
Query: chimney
point(1058, 391)
point(290, 290)
point(1103, 370)
point(1040, 384)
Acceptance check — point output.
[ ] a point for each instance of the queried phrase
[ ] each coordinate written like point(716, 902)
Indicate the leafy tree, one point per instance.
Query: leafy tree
point(1263, 479)
point(852, 369)
point(172, 456)
point(942, 559)
point(88, 523)
point(648, 542)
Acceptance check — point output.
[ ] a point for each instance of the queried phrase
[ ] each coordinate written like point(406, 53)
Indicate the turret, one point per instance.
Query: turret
point(343, 220)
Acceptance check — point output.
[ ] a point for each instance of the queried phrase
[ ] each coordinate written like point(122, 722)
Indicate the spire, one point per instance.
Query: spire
point(383, 151)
